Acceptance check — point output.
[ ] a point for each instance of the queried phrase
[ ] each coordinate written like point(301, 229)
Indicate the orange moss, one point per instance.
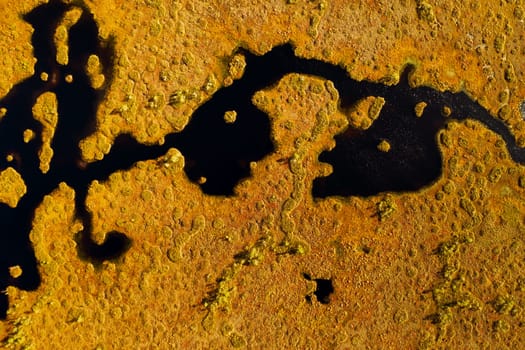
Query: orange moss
point(12, 187)
point(438, 268)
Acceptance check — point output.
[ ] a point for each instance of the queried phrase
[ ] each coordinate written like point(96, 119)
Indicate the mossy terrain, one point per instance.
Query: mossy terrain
point(441, 267)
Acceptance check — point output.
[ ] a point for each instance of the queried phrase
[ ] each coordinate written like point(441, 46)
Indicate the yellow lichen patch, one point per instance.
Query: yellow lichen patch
point(419, 109)
point(174, 159)
point(94, 71)
point(3, 112)
point(236, 68)
point(61, 35)
point(384, 146)
point(71, 16)
point(386, 207)
point(230, 117)
point(28, 135)
point(425, 11)
point(61, 42)
point(12, 187)
point(363, 114)
point(446, 111)
point(45, 111)
point(15, 39)
point(15, 271)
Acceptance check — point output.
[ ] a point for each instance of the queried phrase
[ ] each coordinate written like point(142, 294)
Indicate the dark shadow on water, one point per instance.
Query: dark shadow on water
point(217, 154)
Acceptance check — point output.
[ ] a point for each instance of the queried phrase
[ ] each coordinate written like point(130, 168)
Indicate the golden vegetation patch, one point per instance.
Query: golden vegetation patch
point(12, 187)
point(437, 268)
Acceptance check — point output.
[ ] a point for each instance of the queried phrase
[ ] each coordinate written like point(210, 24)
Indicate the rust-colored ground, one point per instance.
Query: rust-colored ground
point(440, 268)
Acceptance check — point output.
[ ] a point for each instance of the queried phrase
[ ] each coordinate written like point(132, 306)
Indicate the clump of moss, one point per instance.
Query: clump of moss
point(363, 114)
point(386, 207)
point(419, 109)
point(425, 11)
